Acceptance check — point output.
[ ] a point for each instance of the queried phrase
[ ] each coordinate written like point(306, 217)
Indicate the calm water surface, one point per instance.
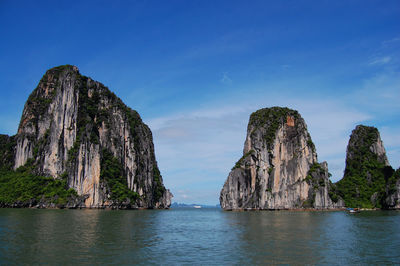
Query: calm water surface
point(198, 236)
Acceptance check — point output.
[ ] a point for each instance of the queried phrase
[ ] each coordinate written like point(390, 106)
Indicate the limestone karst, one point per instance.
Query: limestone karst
point(279, 168)
point(76, 130)
point(369, 181)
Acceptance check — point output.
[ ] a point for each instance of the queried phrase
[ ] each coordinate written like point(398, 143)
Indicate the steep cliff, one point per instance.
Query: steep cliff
point(75, 129)
point(369, 181)
point(391, 198)
point(279, 168)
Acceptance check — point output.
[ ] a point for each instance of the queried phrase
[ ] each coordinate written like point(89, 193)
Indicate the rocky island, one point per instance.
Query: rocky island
point(79, 145)
point(369, 181)
point(279, 167)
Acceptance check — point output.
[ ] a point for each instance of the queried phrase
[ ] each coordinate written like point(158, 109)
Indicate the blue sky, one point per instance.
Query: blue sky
point(196, 70)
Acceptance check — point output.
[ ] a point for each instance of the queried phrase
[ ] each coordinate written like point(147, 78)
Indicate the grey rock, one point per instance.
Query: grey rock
point(392, 199)
point(274, 172)
point(359, 138)
point(67, 125)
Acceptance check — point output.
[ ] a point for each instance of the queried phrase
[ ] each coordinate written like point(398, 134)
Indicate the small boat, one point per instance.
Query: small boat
point(353, 210)
point(197, 207)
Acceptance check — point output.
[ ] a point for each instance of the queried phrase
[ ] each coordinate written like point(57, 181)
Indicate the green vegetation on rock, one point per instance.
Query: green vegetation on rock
point(41, 144)
point(315, 179)
point(24, 188)
point(308, 203)
point(391, 182)
point(90, 106)
point(310, 143)
point(7, 146)
point(38, 101)
point(87, 112)
point(159, 188)
point(239, 163)
point(365, 177)
point(333, 194)
point(272, 119)
point(92, 113)
point(112, 173)
point(315, 168)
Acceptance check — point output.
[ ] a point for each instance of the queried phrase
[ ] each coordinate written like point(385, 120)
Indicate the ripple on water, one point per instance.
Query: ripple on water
point(192, 236)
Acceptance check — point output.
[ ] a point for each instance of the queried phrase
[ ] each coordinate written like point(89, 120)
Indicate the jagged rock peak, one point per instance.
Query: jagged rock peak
point(368, 180)
point(279, 168)
point(75, 128)
point(271, 119)
point(366, 141)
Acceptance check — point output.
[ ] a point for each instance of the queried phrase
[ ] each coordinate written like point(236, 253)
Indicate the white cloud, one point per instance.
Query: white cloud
point(379, 94)
point(198, 148)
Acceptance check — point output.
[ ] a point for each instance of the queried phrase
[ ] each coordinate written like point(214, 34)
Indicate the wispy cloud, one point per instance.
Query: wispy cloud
point(391, 41)
point(380, 93)
point(380, 61)
point(225, 78)
point(198, 148)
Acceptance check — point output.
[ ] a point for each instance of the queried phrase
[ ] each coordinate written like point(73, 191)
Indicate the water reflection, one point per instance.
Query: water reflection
point(76, 236)
point(277, 237)
point(334, 238)
point(189, 236)
point(365, 238)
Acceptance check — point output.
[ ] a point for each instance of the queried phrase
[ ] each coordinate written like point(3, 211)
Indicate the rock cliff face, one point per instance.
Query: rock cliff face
point(369, 181)
point(279, 168)
point(74, 128)
point(392, 192)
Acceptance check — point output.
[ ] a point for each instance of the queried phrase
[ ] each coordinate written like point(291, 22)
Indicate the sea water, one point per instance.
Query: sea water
point(198, 236)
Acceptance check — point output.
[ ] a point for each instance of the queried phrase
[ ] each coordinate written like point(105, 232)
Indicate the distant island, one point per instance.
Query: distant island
point(176, 205)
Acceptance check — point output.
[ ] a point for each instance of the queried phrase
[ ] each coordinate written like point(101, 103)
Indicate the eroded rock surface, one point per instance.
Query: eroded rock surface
point(279, 167)
point(75, 128)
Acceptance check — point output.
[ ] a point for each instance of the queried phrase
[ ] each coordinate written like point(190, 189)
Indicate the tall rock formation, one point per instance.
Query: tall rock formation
point(279, 167)
point(369, 181)
point(75, 128)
